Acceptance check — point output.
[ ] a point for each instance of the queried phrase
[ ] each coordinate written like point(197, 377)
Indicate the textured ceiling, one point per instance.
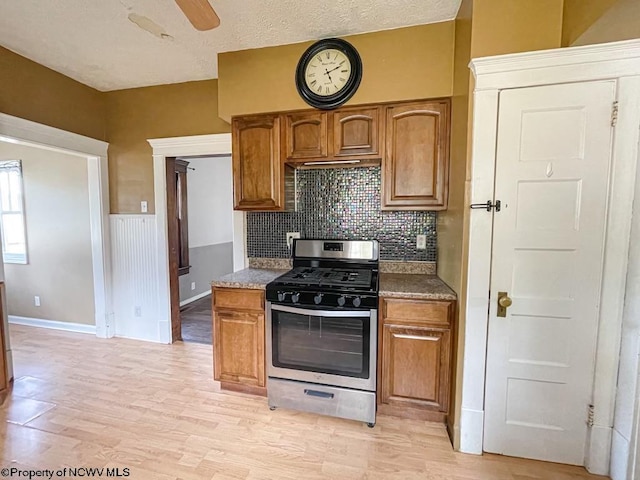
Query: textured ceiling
point(94, 42)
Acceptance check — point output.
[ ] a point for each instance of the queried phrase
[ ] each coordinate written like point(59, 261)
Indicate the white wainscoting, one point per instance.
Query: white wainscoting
point(135, 287)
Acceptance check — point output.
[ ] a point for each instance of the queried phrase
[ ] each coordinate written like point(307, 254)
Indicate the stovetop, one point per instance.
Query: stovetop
point(335, 274)
point(328, 277)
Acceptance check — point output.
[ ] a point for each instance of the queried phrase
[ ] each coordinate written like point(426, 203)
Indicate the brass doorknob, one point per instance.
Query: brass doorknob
point(505, 302)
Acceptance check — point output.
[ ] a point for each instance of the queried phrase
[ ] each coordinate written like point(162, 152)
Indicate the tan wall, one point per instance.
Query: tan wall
point(451, 221)
point(401, 64)
point(619, 22)
point(496, 27)
point(579, 15)
point(508, 26)
point(138, 114)
point(60, 268)
point(29, 90)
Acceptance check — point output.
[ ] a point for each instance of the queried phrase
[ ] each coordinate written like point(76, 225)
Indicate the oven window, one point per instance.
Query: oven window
point(335, 345)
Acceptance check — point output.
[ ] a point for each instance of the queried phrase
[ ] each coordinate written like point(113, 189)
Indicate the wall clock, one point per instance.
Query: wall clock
point(328, 73)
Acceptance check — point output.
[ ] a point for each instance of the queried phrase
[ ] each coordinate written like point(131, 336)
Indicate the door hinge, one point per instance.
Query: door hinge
point(591, 412)
point(488, 205)
point(614, 114)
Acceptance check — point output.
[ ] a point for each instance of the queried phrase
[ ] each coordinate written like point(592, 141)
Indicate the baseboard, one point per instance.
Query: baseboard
point(193, 299)
point(52, 324)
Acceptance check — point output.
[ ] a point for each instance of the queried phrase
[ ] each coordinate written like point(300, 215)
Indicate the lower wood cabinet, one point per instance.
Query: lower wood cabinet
point(238, 339)
point(415, 366)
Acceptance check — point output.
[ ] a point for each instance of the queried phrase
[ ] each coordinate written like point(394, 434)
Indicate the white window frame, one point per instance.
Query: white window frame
point(17, 258)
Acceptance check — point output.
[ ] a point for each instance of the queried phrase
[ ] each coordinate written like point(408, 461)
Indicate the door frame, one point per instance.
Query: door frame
point(25, 132)
point(619, 61)
point(195, 145)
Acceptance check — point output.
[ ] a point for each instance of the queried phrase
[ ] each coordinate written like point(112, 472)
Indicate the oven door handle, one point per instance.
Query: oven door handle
point(322, 313)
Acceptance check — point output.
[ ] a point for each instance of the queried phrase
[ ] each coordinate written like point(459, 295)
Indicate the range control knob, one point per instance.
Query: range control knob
point(317, 299)
point(295, 297)
point(342, 301)
point(281, 296)
point(357, 302)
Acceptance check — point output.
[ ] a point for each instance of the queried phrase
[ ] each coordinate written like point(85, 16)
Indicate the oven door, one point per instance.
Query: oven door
point(329, 347)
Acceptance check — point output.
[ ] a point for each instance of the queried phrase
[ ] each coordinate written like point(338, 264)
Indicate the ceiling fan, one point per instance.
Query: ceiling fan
point(200, 13)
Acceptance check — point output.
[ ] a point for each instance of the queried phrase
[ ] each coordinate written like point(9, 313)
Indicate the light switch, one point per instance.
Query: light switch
point(143, 206)
point(421, 242)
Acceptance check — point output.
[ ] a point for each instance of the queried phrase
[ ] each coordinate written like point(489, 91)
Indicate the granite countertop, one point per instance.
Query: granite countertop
point(404, 285)
point(254, 278)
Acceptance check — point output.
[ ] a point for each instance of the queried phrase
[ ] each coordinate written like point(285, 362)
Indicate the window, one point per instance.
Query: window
point(14, 243)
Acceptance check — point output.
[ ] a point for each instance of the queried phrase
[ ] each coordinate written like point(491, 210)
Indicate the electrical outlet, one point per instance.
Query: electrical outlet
point(143, 206)
point(291, 236)
point(193, 285)
point(421, 242)
point(137, 311)
point(36, 301)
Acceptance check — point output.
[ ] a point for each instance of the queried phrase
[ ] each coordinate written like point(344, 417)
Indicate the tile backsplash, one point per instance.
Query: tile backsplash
point(342, 203)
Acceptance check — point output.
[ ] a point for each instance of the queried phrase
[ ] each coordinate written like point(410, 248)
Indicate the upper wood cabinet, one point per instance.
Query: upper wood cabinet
point(258, 180)
point(411, 139)
point(415, 166)
point(306, 135)
point(356, 132)
point(343, 134)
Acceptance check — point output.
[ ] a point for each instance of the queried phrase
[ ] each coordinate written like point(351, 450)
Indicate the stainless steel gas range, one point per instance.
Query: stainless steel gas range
point(322, 330)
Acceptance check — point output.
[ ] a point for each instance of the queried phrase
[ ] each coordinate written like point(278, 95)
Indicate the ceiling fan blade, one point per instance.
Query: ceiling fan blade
point(200, 13)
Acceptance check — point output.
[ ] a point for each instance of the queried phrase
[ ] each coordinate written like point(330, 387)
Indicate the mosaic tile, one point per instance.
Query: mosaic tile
point(342, 203)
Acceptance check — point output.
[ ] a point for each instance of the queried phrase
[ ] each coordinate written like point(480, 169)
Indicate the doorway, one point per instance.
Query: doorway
point(615, 63)
point(182, 147)
point(200, 237)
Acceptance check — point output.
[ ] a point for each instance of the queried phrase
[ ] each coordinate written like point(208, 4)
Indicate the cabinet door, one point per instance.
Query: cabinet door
point(415, 367)
point(239, 347)
point(306, 135)
point(257, 169)
point(356, 132)
point(416, 161)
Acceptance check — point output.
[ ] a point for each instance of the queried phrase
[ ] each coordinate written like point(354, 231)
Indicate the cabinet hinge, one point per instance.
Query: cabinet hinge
point(614, 114)
point(591, 412)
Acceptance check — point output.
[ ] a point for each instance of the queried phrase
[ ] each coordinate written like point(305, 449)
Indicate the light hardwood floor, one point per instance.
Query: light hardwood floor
point(82, 401)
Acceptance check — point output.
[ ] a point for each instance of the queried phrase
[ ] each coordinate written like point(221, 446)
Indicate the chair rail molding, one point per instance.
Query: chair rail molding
point(619, 61)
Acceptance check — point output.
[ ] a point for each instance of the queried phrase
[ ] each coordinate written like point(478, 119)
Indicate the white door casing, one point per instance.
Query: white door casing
point(214, 144)
point(552, 177)
point(94, 152)
point(619, 61)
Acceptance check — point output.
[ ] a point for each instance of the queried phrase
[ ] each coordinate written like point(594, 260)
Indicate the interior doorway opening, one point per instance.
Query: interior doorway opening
point(200, 233)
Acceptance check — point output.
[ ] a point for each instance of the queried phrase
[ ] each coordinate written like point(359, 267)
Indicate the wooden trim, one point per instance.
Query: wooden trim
point(174, 245)
point(4, 373)
point(242, 388)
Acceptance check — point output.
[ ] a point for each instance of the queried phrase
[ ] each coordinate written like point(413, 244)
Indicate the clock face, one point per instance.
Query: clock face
point(327, 72)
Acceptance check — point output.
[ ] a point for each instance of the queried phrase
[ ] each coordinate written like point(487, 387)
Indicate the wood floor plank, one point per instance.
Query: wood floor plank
point(155, 409)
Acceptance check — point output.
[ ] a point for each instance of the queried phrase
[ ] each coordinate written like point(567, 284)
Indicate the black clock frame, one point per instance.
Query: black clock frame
point(329, 102)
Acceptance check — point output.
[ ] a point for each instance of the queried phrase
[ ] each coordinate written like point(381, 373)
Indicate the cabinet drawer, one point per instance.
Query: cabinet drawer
point(238, 298)
point(397, 310)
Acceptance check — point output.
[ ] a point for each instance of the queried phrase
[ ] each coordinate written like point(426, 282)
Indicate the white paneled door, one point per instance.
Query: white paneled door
point(552, 176)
